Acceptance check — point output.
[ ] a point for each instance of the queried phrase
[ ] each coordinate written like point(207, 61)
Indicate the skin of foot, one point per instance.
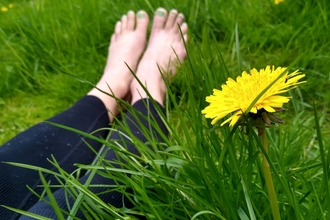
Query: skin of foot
point(126, 47)
point(164, 51)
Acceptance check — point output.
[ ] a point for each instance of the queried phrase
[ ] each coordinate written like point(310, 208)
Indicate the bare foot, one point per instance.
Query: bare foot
point(126, 46)
point(165, 50)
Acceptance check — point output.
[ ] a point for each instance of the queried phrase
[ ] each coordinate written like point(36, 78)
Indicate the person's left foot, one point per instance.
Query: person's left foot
point(126, 47)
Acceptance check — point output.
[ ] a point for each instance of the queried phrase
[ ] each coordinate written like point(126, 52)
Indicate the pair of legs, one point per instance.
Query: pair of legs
point(97, 110)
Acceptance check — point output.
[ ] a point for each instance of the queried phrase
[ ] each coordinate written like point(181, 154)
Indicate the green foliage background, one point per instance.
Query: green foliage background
point(216, 170)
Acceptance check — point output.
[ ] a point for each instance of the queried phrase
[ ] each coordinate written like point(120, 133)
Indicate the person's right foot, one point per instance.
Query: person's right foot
point(165, 50)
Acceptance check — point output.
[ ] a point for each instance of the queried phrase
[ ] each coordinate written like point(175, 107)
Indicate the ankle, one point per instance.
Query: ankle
point(107, 91)
point(154, 89)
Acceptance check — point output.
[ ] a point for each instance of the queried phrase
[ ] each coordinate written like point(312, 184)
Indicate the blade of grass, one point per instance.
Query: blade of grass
point(26, 213)
point(51, 197)
point(248, 201)
point(325, 184)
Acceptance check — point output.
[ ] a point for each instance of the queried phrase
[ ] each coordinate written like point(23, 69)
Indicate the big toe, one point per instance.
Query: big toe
point(159, 19)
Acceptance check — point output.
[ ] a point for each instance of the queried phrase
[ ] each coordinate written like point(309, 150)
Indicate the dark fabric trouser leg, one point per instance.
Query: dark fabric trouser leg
point(39, 142)
point(136, 125)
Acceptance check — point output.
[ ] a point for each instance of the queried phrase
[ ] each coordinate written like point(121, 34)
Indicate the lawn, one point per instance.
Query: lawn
point(209, 171)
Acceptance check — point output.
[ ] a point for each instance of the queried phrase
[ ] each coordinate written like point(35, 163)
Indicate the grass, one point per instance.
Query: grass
point(207, 172)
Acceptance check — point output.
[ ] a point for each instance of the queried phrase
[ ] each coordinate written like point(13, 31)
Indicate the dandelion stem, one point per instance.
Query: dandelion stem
point(269, 180)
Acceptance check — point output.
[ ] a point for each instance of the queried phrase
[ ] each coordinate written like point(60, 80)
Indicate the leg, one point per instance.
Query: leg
point(38, 143)
point(114, 198)
point(164, 39)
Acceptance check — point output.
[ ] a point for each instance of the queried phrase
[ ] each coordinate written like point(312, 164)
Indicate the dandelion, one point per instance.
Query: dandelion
point(257, 94)
point(278, 1)
point(4, 9)
point(237, 96)
point(10, 5)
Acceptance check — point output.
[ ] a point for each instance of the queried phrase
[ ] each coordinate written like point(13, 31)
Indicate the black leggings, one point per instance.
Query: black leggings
point(39, 142)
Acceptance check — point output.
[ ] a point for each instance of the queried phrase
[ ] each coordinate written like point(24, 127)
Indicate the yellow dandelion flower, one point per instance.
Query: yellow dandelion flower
point(236, 96)
point(10, 5)
point(278, 1)
point(4, 9)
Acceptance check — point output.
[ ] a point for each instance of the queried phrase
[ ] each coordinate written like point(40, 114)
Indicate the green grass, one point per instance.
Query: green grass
point(208, 172)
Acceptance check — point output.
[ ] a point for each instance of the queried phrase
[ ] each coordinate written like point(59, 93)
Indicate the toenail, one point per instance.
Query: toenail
point(130, 12)
point(124, 16)
point(140, 14)
point(173, 11)
point(180, 15)
point(160, 13)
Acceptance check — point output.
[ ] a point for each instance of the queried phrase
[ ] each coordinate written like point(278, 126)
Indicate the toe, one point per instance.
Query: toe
point(118, 28)
point(142, 21)
point(184, 28)
point(171, 20)
point(180, 19)
point(123, 23)
point(113, 39)
point(185, 38)
point(159, 19)
point(130, 20)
